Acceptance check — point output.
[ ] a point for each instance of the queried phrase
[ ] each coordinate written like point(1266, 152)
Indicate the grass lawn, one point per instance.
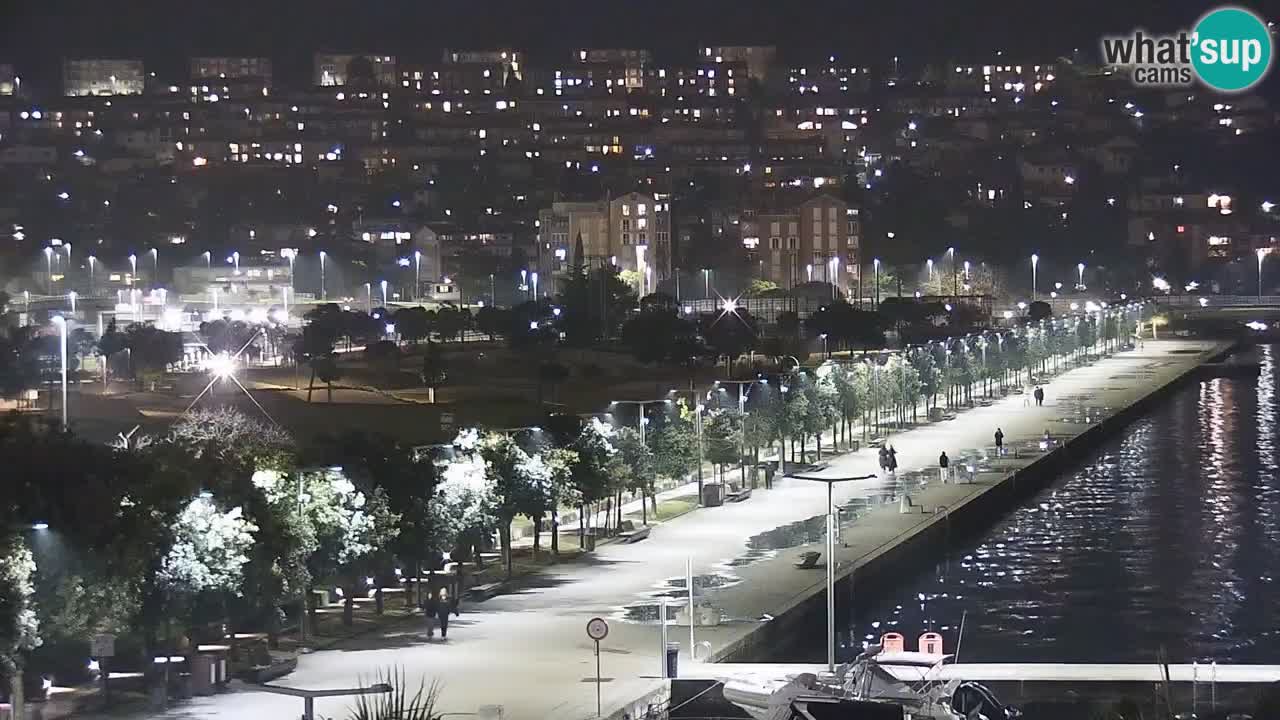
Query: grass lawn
point(668, 509)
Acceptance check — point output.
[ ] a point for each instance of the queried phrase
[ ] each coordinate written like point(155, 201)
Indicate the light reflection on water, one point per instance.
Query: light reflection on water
point(1167, 537)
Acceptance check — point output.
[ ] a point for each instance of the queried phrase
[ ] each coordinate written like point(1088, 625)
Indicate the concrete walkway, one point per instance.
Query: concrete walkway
point(529, 652)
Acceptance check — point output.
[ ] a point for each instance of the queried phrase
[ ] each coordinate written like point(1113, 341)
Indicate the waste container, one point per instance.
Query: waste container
point(203, 674)
point(673, 660)
point(712, 495)
point(589, 541)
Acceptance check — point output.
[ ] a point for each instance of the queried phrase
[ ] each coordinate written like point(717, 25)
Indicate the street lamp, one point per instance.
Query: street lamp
point(706, 281)
point(61, 322)
point(955, 273)
point(384, 292)
point(809, 272)
point(368, 298)
point(831, 562)
point(155, 265)
point(208, 259)
point(323, 296)
point(1262, 252)
point(1035, 261)
point(48, 261)
point(92, 261)
point(71, 296)
point(1080, 275)
point(875, 264)
point(533, 276)
point(290, 254)
point(235, 258)
point(929, 266)
point(417, 272)
point(133, 269)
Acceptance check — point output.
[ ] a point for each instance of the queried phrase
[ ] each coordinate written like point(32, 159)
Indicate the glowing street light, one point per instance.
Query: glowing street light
point(323, 296)
point(384, 292)
point(1262, 252)
point(1035, 261)
point(235, 259)
point(48, 261)
point(417, 272)
point(208, 259)
point(368, 298)
point(92, 261)
point(1080, 274)
point(155, 264)
point(133, 268)
point(71, 296)
point(61, 322)
point(929, 266)
point(533, 276)
point(955, 274)
point(220, 366)
point(729, 305)
point(809, 272)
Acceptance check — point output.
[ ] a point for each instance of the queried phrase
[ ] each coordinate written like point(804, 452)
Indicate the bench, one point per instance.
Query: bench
point(737, 494)
point(808, 560)
point(485, 591)
point(635, 535)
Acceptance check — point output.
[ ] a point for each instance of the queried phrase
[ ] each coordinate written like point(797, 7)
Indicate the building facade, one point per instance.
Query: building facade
point(816, 240)
point(331, 69)
point(98, 76)
point(631, 232)
point(231, 68)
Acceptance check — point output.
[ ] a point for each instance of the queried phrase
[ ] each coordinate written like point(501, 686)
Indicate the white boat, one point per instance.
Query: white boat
point(905, 679)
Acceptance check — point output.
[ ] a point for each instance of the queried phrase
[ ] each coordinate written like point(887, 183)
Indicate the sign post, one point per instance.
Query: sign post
point(597, 630)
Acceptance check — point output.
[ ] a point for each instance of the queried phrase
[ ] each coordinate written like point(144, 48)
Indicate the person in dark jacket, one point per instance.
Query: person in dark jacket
point(893, 460)
point(944, 465)
point(442, 613)
point(884, 459)
point(430, 609)
point(1039, 396)
point(999, 442)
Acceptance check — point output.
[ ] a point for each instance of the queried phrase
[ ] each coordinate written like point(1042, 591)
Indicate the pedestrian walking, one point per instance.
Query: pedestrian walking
point(1039, 396)
point(430, 608)
point(944, 466)
point(442, 613)
point(884, 459)
point(893, 460)
point(999, 442)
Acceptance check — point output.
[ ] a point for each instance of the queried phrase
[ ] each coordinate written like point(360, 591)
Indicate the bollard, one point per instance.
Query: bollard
point(904, 505)
point(672, 669)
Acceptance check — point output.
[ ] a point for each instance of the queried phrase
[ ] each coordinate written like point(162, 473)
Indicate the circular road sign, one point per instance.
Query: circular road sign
point(597, 629)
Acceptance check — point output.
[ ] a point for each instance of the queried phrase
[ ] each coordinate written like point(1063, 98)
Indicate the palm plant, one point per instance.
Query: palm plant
point(398, 704)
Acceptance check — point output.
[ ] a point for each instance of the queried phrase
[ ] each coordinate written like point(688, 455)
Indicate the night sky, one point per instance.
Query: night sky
point(36, 34)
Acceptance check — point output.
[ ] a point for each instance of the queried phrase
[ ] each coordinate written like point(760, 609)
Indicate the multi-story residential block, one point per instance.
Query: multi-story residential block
point(231, 68)
point(758, 59)
point(8, 80)
point(631, 232)
point(98, 76)
point(331, 69)
point(815, 240)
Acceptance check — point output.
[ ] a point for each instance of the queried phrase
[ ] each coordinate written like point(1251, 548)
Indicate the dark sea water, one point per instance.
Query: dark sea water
point(1166, 537)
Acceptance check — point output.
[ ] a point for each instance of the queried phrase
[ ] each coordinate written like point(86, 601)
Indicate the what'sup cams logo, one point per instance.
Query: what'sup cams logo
point(1228, 50)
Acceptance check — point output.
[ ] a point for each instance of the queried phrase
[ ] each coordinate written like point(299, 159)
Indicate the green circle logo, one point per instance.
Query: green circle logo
point(1231, 49)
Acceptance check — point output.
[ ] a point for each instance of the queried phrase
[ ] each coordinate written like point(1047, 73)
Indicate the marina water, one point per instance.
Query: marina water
point(1167, 536)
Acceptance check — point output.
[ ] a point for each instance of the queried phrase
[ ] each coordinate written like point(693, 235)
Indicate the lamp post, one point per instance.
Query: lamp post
point(92, 261)
point(955, 274)
point(706, 282)
point(48, 273)
point(323, 295)
point(1261, 254)
point(208, 259)
point(133, 269)
point(928, 264)
point(835, 276)
point(831, 561)
point(155, 265)
point(384, 292)
point(417, 272)
point(368, 298)
point(291, 254)
point(533, 277)
point(1080, 276)
point(61, 322)
point(875, 265)
point(71, 296)
point(1035, 262)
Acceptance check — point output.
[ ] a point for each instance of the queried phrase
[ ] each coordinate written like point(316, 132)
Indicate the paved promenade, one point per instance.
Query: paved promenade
point(528, 651)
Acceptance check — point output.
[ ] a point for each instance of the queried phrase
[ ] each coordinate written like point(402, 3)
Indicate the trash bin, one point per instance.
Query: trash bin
point(203, 674)
point(712, 495)
point(673, 660)
point(589, 541)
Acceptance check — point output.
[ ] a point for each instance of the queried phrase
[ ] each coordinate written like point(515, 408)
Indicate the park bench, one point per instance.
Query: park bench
point(485, 591)
point(629, 533)
point(808, 560)
point(737, 494)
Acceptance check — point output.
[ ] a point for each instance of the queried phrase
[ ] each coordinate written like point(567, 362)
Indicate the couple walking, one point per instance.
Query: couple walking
point(888, 459)
point(436, 607)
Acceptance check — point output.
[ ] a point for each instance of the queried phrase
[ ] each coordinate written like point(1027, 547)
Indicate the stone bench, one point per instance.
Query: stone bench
point(634, 535)
point(738, 494)
point(484, 592)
